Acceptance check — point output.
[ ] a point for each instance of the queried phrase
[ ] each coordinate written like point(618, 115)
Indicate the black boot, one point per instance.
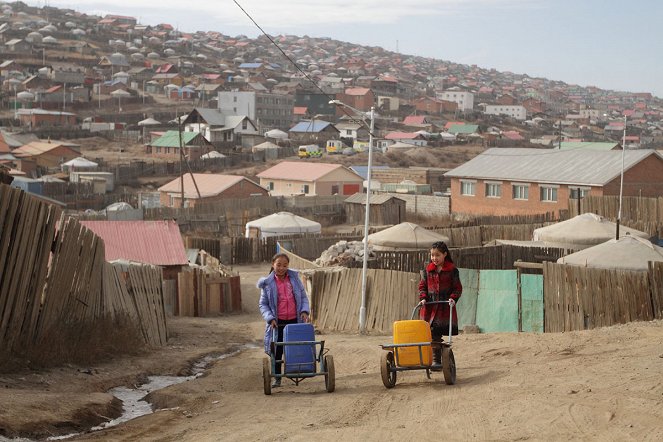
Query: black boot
point(437, 359)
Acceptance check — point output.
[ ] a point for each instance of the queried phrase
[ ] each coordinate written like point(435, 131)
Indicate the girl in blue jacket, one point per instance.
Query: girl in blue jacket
point(283, 301)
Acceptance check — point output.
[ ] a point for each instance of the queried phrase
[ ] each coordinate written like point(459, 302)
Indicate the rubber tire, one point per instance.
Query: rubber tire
point(330, 377)
point(386, 364)
point(266, 377)
point(448, 366)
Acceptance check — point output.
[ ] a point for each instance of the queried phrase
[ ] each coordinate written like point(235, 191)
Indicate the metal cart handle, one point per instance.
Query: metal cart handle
point(451, 307)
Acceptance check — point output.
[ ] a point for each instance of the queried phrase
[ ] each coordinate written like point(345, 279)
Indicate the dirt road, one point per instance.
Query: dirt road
point(604, 384)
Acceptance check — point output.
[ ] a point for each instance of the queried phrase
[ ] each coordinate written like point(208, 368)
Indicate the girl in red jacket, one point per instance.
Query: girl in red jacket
point(439, 282)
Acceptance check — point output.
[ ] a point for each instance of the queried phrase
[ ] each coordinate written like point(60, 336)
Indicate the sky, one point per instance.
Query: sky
point(605, 43)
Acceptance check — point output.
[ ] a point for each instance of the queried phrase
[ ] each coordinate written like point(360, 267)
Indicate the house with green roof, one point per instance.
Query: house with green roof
point(463, 129)
point(168, 145)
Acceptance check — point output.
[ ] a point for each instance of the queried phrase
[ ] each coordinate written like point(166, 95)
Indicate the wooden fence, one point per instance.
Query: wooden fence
point(645, 214)
point(239, 250)
point(336, 297)
point(204, 294)
point(500, 257)
point(51, 279)
point(229, 217)
point(580, 298)
point(470, 236)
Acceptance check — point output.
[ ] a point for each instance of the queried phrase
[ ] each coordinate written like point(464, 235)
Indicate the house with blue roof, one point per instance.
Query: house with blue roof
point(313, 132)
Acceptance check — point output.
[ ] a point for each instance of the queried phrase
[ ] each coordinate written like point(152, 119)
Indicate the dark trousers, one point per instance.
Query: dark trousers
point(281, 323)
point(438, 332)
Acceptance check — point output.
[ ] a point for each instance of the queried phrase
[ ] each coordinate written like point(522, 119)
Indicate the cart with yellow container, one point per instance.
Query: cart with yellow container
point(413, 347)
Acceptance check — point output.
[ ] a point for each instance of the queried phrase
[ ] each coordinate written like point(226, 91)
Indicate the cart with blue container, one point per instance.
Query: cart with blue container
point(413, 350)
point(303, 357)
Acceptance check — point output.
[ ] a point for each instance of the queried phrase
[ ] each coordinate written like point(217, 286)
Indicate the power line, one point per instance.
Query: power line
point(311, 80)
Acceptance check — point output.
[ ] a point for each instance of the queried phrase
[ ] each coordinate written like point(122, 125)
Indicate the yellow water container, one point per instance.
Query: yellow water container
point(409, 332)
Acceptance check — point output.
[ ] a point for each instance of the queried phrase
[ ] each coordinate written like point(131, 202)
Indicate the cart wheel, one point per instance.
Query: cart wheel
point(386, 367)
point(330, 377)
point(266, 378)
point(448, 366)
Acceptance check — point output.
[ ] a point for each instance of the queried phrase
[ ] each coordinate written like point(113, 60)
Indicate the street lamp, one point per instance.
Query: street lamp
point(362, 309)
point(621, 182)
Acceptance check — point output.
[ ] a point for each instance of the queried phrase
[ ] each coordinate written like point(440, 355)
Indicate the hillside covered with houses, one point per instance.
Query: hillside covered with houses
point(91, 105)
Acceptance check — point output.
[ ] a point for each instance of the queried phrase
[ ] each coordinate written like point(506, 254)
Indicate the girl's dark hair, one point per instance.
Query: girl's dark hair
point(277, 256)
point(443, 248)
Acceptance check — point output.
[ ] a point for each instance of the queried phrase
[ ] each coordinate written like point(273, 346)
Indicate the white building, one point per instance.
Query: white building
point(513, 111)
point(465, 100)
point(592, 114)
point(268, 110)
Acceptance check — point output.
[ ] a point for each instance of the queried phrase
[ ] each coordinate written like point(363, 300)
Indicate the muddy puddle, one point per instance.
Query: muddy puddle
point(133, 403)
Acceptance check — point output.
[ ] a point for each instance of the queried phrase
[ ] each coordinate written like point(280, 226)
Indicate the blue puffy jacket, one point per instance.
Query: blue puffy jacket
point(269, 304)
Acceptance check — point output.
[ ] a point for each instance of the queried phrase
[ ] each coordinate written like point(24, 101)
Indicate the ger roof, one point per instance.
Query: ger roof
point(150, 242)
point(208, 184)
point(295, 170)
point(581, 166)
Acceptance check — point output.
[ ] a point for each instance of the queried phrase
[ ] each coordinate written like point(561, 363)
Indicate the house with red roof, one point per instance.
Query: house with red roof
point(158, 243)
point(302, 178)
point(47, 154)
point(361, 98)
point(203, 188)
point(166, 68)
point(512, 135)
point(299, 113)
point(434, 106)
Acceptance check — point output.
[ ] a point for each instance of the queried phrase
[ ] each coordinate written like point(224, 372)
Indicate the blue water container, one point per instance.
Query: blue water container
point(299, 358)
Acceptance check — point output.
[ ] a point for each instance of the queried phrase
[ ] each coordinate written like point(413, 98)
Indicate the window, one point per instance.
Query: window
point(245, 124)
point(467, 188)
point(520, 192)
point(270, 185)
point(493, 190)
point(234, 99)
point(305, 188)
point(348, 131)
point(548, 194)
point(578, 192)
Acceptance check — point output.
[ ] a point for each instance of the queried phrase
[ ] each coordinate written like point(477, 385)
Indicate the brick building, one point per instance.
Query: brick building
point(301, 178)
point(513, 181)
point(212, 187)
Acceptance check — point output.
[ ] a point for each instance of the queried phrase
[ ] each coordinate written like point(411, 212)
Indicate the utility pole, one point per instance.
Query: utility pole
point(621, 182)
point(560, 135)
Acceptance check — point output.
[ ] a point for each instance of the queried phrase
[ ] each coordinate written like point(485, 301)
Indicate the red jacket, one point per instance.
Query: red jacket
point(440, 286)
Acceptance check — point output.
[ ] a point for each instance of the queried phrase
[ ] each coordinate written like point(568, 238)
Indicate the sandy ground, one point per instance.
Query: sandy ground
point(604, 384)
